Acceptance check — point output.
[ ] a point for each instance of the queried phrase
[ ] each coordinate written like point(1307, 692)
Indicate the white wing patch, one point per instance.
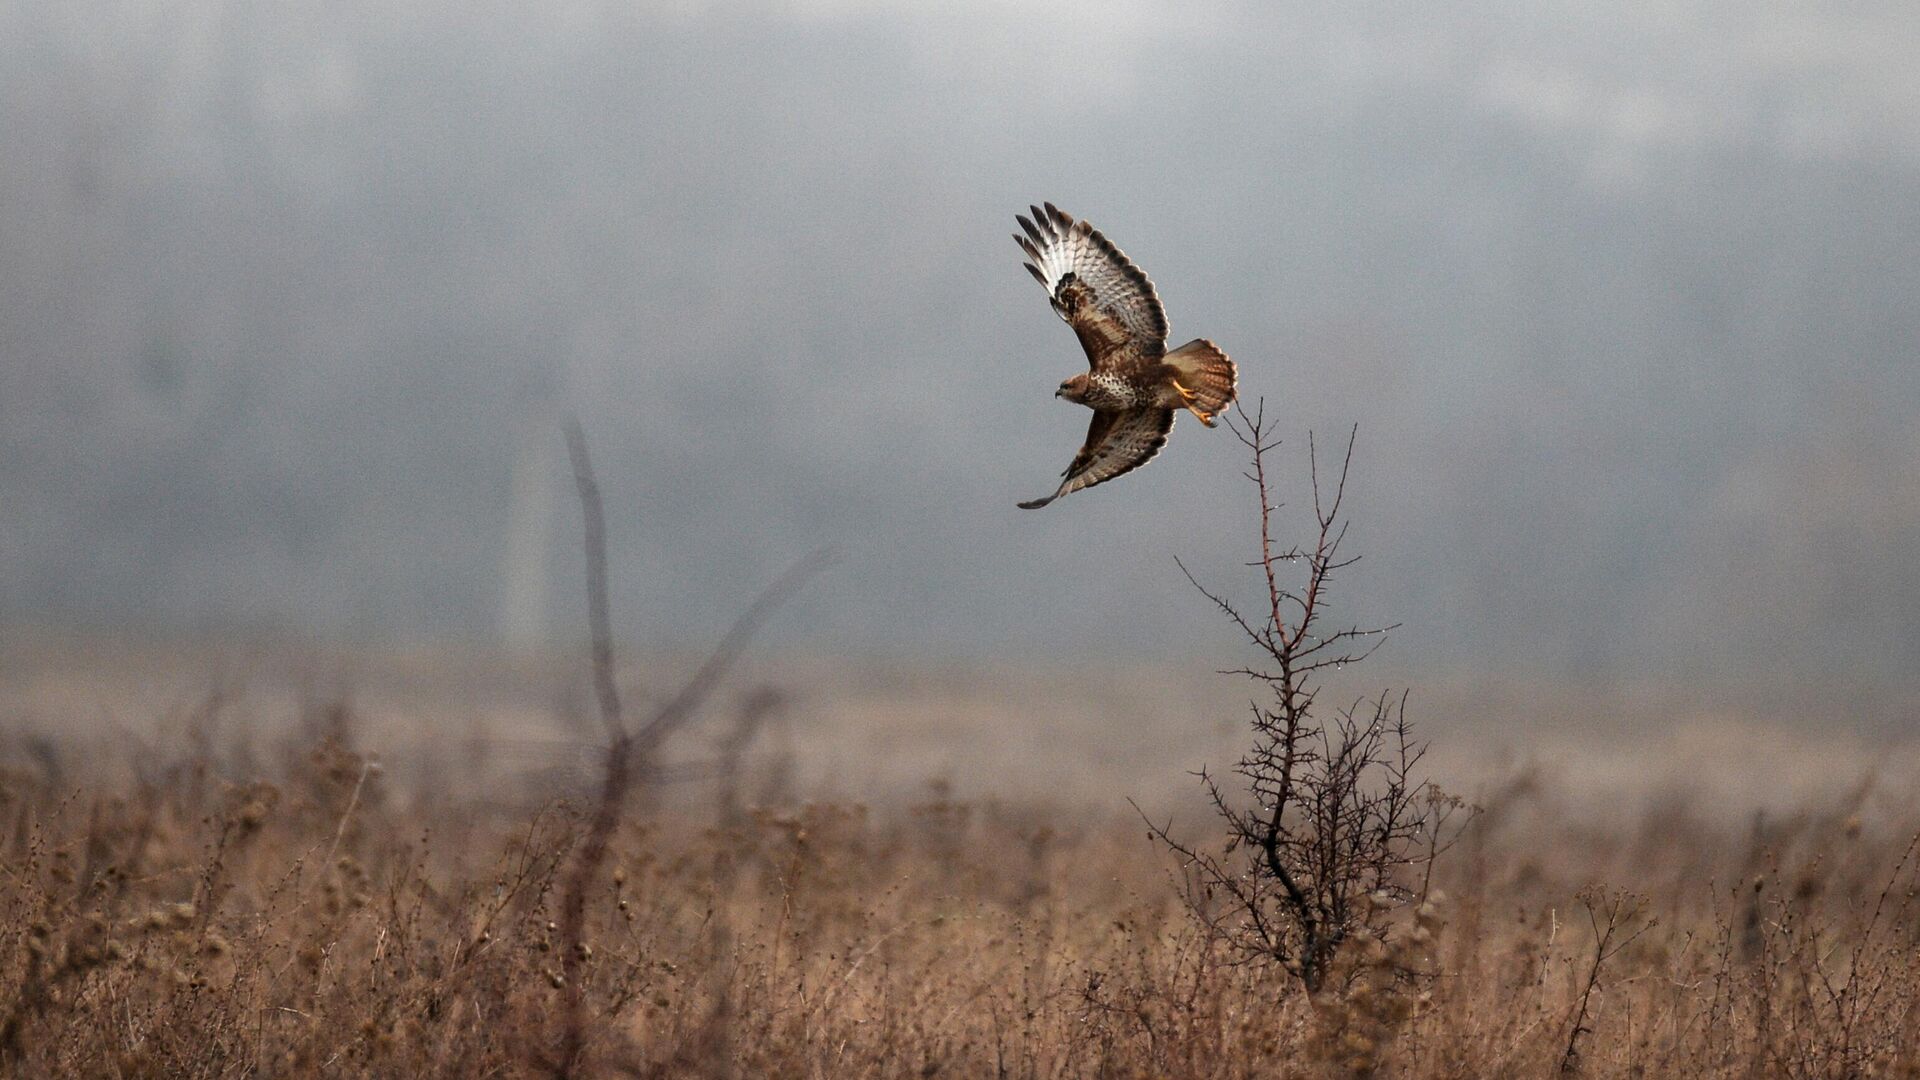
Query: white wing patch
point(1062, 252)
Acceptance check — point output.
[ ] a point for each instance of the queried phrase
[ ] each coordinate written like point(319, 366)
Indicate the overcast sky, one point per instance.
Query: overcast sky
point(1620, 295)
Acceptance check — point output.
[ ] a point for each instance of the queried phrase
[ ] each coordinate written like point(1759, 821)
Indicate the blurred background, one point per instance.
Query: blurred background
point(294, 297)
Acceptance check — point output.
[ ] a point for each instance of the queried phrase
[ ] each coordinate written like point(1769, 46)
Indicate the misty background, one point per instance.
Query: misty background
point(293, 298)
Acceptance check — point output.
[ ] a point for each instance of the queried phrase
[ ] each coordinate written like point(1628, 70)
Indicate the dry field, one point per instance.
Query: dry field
point(275, 876)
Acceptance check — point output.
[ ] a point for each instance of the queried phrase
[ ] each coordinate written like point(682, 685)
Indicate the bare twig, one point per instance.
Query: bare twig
point(1619, 911)
point(353, 801)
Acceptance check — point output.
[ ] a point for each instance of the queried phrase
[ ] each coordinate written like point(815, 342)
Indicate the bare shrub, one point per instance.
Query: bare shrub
point(1617, 920)
point(1334, 829)
point(1830, 984)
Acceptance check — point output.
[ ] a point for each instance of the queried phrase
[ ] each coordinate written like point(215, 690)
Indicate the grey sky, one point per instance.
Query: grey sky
point(1620, 294)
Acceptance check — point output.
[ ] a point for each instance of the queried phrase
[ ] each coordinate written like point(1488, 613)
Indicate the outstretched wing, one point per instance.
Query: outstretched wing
point(1117, 443)
point(1093, 286)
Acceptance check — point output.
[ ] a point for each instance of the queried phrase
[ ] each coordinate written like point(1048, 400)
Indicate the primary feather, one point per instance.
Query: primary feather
point(1091, 284)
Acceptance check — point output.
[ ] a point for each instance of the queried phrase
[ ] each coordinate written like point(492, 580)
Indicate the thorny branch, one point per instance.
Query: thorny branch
point(1334, 818)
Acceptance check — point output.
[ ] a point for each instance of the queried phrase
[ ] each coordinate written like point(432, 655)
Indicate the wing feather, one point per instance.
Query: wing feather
point(1117, 443)
point(1107, 300)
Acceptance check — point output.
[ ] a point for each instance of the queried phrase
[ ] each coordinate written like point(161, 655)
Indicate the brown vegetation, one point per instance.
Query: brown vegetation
point(312, 918)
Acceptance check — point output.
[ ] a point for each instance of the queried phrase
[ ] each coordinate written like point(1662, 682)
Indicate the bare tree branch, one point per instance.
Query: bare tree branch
point(598, 618)
point(630, 753)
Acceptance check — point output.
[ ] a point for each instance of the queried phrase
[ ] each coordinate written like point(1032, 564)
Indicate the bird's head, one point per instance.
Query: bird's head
point(1074, 389)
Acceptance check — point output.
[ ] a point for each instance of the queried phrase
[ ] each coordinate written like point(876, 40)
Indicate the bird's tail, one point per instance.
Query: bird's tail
point(1205, 371)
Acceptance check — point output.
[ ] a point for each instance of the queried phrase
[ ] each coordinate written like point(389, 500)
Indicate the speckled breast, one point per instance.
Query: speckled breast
point(1107, 390)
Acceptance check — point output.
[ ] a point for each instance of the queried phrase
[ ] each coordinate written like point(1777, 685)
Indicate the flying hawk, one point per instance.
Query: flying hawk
point(1135, 384)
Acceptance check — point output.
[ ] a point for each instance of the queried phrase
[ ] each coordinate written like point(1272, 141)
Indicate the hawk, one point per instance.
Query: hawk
point(1135, 385)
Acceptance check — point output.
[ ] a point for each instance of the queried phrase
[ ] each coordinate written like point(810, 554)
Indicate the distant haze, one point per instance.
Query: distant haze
point(294, 297)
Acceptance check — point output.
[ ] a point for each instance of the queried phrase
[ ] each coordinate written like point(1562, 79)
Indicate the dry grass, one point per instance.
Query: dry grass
point(281, 906)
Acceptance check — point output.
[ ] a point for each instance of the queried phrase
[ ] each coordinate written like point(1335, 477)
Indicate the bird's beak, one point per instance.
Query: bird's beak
point(1059, 393)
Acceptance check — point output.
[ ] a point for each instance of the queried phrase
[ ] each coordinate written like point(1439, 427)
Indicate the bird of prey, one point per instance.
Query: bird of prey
point(1135, 385)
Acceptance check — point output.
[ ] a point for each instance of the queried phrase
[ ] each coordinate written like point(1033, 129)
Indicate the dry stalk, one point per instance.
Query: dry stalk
point(1619, 912)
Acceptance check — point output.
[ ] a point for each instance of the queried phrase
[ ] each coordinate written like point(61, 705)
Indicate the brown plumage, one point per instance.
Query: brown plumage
point(1133, 385)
